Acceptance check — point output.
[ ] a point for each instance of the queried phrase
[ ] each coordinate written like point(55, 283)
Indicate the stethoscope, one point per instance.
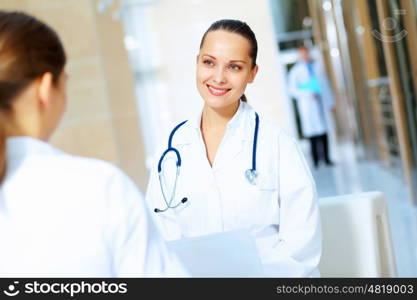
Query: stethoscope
point(250, 174)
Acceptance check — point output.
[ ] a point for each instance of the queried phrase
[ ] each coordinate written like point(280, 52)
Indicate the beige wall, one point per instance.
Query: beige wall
point(178, 27)
point(101, 119)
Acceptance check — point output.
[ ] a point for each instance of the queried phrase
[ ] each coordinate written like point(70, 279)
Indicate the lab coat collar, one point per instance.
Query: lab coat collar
point(18, 147)
point(239, 133)
point(237, 126)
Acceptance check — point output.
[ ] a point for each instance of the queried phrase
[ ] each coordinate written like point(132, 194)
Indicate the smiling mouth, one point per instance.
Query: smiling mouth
point(215, 91)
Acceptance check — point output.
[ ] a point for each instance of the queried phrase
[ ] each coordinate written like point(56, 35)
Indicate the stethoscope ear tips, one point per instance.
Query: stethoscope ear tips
point(157, 210)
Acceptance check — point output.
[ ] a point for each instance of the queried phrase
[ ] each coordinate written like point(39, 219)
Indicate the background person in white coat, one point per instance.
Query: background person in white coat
point(309, 86)
point(212, 193)
point(61, 215)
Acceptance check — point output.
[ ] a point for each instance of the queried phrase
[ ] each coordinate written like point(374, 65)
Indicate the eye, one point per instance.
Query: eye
point(208, 62)
point(235, 67)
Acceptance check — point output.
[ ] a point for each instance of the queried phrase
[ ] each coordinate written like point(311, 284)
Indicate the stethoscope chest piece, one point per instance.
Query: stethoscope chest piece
point(251, 176)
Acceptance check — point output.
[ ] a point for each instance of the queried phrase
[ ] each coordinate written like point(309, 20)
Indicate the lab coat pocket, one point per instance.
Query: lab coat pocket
point(267, 184)
point(266, 208)
point(267, 179)
point(168, 224)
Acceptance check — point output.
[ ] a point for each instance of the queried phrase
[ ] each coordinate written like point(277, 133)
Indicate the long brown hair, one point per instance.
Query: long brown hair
point(28, 49)
point(240, 28)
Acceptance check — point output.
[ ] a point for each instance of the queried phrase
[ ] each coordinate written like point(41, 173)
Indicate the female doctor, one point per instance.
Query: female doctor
point(227, 168)
point(61, 215)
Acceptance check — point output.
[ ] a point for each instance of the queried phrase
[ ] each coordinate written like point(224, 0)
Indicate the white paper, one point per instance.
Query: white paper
point(225, 254)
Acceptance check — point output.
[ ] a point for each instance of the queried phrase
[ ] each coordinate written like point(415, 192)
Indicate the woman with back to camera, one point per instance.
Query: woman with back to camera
point(237, 170)
point(61, 215)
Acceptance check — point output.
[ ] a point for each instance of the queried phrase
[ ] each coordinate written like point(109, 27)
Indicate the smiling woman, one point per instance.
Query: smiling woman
point(238, 170)
point(246, 56)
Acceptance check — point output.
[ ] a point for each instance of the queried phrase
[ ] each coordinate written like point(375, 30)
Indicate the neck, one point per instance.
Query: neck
point(213, 118)
point(25, 118)
point(22, 128)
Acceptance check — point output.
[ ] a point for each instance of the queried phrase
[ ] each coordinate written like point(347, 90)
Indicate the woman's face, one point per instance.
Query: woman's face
point(224, 68)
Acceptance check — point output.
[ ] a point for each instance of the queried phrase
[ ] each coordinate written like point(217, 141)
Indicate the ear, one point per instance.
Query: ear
point(253, 73)
point(197, 57)
point(45, 89)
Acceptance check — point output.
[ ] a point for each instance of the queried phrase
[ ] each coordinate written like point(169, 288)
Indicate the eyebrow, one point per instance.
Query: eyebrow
point(241, 61)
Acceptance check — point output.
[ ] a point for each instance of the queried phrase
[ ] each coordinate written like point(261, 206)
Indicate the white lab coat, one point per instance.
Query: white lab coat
point(280, 211)
point(67, 216)
point(315, 114)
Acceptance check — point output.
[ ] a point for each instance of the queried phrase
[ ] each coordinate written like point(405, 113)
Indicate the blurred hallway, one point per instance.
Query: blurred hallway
point(352, 176)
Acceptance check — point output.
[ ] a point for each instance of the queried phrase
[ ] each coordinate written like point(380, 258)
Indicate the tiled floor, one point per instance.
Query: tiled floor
point(350, 176)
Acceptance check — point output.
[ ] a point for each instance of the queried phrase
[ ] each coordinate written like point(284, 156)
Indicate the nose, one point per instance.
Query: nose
point(219, 76)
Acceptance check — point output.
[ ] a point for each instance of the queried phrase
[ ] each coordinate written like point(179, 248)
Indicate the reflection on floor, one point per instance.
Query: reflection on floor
point(350, 176)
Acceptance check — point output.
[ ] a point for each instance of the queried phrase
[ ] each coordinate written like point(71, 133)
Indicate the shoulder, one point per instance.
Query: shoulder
point(273, 130)
point(71, 180)
point(80, 169)
point(273, 137)
point(276, 138)
point(100, 179)
point(181, 133)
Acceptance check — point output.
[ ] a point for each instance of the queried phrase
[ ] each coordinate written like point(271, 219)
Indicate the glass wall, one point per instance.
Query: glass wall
point(379, 40)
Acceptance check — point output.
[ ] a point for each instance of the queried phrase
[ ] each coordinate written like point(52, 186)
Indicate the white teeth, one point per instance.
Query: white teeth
point(217, 90)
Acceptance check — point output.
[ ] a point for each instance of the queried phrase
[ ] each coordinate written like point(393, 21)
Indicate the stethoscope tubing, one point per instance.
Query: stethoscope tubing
point(251, 174)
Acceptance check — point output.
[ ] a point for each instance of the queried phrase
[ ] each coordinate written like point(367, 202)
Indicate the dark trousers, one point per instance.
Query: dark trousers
point(320, 149)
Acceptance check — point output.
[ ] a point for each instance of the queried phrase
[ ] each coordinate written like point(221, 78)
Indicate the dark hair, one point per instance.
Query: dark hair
point(240, 28)
point(28, 49)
